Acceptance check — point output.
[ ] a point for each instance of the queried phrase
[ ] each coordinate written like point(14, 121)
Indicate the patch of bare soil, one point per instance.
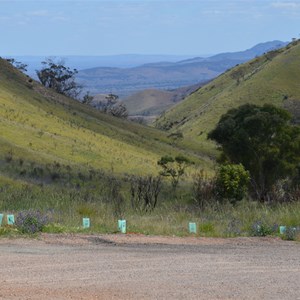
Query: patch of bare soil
point(134, 266)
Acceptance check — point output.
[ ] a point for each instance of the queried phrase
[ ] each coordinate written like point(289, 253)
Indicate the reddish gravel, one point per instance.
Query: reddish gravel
point(143, 267)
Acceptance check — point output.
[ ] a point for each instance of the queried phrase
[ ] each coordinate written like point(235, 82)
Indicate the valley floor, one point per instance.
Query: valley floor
point(140, 267)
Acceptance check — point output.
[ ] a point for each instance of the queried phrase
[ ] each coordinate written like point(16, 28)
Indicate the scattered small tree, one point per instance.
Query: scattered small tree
point(119, 110)
point(111, 105)
point(173, 167)
point(56, 76)
point(87, 98)
point(238, 74)
point(17, 64)
point(111, 101)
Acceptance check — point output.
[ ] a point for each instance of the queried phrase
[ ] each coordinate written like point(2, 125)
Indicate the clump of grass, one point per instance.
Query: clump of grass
point(8, 231)
point(234, 228)
point(86, 210)
point(207, 229)
point(260, 228)
point(54, 228)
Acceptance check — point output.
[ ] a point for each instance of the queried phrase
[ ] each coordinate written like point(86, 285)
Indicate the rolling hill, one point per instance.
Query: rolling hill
point(151, 103)
point(40, 127)
point(166, 75)
point(271, 78)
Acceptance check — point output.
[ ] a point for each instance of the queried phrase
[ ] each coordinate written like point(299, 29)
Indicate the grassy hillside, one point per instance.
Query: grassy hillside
point(153, 102)
point(39, 126)
point(271, 78)
point(147, 102)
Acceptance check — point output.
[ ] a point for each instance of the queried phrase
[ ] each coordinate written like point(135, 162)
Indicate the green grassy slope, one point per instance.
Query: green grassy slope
point(153, 102)
point(272, 78)
point(149, 102)
point(37, 125)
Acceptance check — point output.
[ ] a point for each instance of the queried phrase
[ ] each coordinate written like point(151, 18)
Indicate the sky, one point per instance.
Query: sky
point(178, 27)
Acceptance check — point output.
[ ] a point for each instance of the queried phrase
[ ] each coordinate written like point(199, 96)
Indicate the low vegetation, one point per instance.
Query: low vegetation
point(55, 199)
point(65, 209)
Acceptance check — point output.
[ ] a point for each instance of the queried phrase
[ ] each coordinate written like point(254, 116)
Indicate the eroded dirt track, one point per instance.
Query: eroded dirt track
point(139, 267)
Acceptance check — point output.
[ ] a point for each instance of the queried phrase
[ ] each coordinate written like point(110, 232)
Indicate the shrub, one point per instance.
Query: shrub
point(234, 227)
point(291, 233)
point(30, 221)
point(232, 182)
point(260, 228)
point(114, 195)
point(282, 191)
point(144, 192)
point(204, 189)
point(9, 156)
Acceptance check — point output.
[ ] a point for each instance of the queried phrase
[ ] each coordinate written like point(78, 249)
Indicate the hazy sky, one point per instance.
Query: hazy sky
point(96, 27)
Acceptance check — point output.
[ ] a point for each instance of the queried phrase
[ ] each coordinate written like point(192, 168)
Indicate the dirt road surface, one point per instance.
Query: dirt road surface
point(140, 267)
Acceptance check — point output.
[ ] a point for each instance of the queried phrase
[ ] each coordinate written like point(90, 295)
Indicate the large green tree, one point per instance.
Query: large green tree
point(263, 140)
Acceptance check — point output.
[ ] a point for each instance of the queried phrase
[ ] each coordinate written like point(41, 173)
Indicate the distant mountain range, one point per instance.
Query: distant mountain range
point(81, 62)
point(257, 50)
point(166, 75)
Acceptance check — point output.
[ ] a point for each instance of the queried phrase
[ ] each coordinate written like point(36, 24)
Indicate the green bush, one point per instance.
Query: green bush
point(232, 182)
point(260, 228)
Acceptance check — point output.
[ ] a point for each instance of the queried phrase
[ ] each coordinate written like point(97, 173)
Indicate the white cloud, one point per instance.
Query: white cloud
point(4, 18)
point(212, 12)
point(60, 18)
point(22, 23)
point(286, 5)
point(38, 13)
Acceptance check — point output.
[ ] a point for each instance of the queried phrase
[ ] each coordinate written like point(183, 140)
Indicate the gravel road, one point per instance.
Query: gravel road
point(140, 267)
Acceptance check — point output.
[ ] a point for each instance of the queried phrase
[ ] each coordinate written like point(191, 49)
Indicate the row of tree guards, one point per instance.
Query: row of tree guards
point(192, 227)
point(122, 225)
